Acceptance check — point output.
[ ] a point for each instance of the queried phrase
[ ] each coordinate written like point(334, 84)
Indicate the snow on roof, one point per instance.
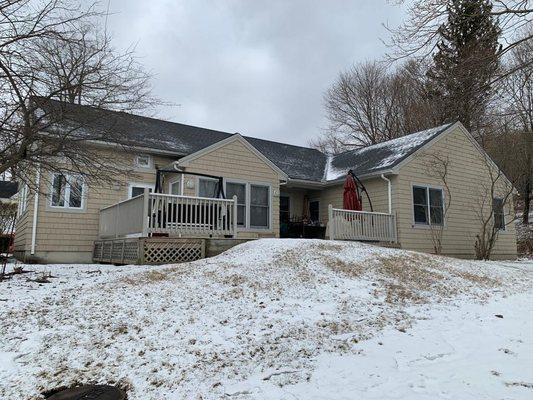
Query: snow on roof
point(380, 156)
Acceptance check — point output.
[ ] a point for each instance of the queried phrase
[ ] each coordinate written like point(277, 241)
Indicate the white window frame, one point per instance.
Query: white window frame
point(144, 185)
point(66, 206)
point(143, 166)
point(427, 187)
point(23, 199)
point(248, 227)
point(179, 181)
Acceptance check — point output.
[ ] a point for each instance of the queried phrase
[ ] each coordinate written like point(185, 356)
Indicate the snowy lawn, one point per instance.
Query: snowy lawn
point(275, 319)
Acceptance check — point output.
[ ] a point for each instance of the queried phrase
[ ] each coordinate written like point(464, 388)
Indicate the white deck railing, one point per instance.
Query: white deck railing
point(361, 225)
point(155, 213)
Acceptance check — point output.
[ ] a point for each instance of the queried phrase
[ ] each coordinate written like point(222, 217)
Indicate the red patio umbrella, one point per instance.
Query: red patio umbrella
point(350, 199)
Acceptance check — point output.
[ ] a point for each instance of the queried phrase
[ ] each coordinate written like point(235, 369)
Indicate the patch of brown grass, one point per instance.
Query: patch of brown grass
point(146, 278)
point(411, 279)
point(350, 270)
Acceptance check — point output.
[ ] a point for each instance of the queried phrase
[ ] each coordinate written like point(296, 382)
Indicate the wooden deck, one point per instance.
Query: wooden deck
point(163, 214)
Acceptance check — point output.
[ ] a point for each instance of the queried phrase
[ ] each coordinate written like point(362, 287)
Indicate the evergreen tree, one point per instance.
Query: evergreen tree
point(465, 62)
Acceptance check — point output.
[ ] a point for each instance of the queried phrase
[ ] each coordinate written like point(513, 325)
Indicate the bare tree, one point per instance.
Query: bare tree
point(91, 72)
point(45, 54)
point(368, 104)
point(438, 167)
point(419, 34)
point(490, 209)
point(514, 133)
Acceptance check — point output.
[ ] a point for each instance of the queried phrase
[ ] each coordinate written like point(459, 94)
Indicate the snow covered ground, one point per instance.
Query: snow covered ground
point(275, 319)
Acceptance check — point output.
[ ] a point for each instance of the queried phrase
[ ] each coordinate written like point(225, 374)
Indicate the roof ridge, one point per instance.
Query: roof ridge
point(129, 114)
point(173, 123)
point(285, 144)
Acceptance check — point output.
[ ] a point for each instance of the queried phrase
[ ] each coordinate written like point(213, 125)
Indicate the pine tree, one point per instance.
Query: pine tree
point(465, 62)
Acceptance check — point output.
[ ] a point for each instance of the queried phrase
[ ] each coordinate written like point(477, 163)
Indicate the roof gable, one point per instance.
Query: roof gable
point(382, 156)
point(236, 137)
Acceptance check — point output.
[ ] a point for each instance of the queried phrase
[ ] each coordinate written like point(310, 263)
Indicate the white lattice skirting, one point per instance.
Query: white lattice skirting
point(148, 250)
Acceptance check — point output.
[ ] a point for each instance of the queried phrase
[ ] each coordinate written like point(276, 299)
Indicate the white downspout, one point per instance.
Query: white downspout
point(35, 211)
point(389, 190)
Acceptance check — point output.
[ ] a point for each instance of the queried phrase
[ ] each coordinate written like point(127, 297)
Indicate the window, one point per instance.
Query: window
point(67, 191)
point(175, 187)
point(314, 211)
point(284, 209)
point(23, 199)
point(136, 189)
point(259, 206)
point(499, 218)
point(208, 187)
point(428, 205)
point(239, 190)
point(143, 161)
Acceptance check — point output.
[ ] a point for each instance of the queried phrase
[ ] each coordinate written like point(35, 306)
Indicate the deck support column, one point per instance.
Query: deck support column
point(330, 222)
point(146, 218)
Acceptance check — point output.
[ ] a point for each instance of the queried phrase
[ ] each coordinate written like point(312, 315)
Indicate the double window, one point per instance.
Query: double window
point(68, 191)
point(253, 201)
point(428, 205)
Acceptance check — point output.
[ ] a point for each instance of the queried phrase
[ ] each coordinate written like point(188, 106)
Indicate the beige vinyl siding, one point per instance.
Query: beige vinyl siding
point(236, 161)
point(70, 234)
point(23, 227)
point(466, 177)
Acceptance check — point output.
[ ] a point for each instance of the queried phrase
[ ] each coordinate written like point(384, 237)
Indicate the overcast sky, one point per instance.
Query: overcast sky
point(259, 68)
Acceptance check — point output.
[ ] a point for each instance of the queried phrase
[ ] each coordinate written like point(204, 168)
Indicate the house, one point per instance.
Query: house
point(434, 183)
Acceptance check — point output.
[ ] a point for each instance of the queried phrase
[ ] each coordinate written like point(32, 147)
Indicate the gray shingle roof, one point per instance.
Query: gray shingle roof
point(8, 189)
point(381, 156)
point(296, 161)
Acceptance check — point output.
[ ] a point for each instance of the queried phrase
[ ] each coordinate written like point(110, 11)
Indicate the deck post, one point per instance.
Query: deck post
point(394, 228)
point(234, 216)
point(146, 218)
point(330, 222)
point(115, 225)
